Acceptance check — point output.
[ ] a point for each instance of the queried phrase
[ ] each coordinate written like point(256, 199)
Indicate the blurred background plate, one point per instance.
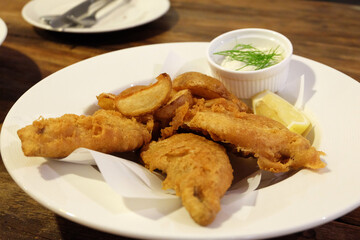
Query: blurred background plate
point(137, 12)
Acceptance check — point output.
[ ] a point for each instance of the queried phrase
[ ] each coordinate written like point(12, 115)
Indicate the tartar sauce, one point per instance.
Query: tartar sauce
point(245, 57)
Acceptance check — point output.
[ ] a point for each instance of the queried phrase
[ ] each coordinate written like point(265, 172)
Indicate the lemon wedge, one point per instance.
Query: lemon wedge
point(273, 106)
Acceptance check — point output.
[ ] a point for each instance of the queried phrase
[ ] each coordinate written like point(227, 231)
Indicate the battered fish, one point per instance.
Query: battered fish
point(215, 105)
point(196, 168)
point(276, 148)
point(106, 131)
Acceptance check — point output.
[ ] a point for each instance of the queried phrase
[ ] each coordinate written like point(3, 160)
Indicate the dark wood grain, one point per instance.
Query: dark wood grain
point(325, 31)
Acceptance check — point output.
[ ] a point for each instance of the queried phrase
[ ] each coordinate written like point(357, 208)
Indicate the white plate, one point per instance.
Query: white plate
point(137, 12)
point(79, 193)
point(3, 31)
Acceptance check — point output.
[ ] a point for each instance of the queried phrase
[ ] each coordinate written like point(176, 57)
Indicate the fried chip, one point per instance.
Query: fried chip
point(144, 100)
point(207, 87)
point(167, 111)
point(106, 101)
point(201, 85)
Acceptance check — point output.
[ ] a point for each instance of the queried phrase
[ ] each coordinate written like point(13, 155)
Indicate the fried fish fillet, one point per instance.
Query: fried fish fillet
point(216, 104)
point(276, 148)
point(196, 168)
point(105, 131)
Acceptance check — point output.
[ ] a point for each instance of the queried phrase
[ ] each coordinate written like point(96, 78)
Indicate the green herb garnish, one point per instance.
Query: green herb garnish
point(251, 56)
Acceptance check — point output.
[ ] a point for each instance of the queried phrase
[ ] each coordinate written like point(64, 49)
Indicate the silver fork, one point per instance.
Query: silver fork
point(91, 19)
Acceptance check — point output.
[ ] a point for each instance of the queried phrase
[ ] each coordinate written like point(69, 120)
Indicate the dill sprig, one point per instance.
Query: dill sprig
point(251, 56)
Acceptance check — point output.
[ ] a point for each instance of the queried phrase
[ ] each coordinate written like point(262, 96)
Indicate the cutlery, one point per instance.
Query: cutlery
point(84, 15)
point(63, 20)
point(91, 19)
point(48, 18)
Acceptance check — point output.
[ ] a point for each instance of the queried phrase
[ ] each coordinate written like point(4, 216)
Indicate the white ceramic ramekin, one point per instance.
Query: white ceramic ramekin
point(245, 84)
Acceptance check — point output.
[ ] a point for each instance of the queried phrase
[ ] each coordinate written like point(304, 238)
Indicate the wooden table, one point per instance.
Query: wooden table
point(325, 31)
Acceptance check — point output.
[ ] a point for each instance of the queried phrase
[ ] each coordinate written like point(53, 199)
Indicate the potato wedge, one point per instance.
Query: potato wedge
point(106, 101)
point(145, 100)
point(167, 111)
point(201, 85)
point(132, 90)
point(207, 87)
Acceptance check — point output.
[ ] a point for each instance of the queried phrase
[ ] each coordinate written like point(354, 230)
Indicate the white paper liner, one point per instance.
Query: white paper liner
point(299, 104)
point(132, 180)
